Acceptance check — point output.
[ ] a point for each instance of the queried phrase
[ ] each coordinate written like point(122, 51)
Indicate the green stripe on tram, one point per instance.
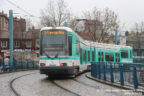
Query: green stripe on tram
point(59, 58)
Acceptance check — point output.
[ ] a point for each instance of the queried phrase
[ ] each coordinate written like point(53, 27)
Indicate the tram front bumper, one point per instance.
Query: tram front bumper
point(57, 70)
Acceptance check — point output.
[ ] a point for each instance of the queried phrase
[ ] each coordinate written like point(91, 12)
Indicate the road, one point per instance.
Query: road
point(31, 83)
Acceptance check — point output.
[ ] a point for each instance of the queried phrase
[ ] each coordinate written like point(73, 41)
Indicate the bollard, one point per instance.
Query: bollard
point(99, 70)
point(96, 69)
point(121, 74)
point(33, 64)
point(135, 80)
point(3, 65)
point(9, 67)
point(27, 64)
point(104, 68)
point(21, 65)
point(111, 73)
point(16, 65)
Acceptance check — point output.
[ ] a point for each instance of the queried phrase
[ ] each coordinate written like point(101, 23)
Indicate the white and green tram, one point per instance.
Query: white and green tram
point(63, 52)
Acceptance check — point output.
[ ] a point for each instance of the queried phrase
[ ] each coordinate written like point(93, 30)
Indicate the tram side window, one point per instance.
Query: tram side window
point(93, 56)
point(77, 47)
point(84, 56)
point(88, 55)
point(131, 54)
point(81, 56)
point(124, 53)
point(99, 56)
point(70, 45)
point(102, 56)
point(116, 57)
point(109, 57)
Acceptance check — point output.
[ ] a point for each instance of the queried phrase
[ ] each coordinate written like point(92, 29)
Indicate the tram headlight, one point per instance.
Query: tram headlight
point(63, 64)
point(42, 64)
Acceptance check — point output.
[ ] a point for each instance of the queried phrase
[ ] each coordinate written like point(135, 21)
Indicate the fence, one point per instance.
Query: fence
point(18, 65)
point(131, 74)
point(138, 59)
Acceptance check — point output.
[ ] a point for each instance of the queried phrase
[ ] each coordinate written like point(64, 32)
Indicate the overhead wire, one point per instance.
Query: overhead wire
point(31, 15)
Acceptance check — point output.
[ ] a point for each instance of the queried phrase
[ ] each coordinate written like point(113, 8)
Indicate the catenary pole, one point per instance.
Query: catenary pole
point(11, 36)
point(116, 36)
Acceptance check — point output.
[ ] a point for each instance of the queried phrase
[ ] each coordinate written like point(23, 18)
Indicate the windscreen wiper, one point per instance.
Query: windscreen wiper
point(47, 55)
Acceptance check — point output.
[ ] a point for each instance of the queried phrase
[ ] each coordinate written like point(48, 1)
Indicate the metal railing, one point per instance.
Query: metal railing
point(138, 59)
point(18, 65)
point(131, 74)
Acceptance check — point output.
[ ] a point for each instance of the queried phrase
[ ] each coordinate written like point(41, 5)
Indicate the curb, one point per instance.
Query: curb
point(16, 71)
point(88, 75)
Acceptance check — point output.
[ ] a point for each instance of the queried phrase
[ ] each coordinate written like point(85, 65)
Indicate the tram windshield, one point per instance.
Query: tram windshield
point(54, 42)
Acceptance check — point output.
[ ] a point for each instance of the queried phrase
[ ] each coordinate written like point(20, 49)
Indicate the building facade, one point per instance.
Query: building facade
point(137, 42)
point(23, 40)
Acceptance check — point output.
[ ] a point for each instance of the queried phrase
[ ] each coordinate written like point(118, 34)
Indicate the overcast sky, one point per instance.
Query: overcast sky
point(129, 11)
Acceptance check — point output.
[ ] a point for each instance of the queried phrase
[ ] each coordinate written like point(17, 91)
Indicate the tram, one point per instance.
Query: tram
point(64, 52)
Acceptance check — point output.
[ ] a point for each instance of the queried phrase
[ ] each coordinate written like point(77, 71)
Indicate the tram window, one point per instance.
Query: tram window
point(124, 53)
point(131, 54)
point(84, 56)
point(116, 59)
point(102, 56)
point(81, 56)
point(99, 56)
point(77, 46)
point(70, 45)
point(109, 57)
point(88, 55)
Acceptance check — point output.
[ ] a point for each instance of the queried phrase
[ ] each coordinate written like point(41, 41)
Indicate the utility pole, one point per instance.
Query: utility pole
point(65, 24)
point(116, 36)
point(11, 36)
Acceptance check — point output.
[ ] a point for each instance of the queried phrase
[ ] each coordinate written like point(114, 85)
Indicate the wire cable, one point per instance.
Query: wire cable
point(20, 8)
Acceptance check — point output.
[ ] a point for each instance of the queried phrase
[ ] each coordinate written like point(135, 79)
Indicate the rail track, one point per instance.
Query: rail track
point(66, 90)
point(13, 80)
point(85, 84)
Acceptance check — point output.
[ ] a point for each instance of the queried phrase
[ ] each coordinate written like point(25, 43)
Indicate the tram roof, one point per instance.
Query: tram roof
point(90, 43)
point(64, 28)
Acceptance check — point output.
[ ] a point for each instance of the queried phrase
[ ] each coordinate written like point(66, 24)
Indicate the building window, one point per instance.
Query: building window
point(28, 44)
point(17, 44)
point(3, 44)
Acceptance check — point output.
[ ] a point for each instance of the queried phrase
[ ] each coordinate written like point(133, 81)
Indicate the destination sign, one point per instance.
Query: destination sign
point(54, 32)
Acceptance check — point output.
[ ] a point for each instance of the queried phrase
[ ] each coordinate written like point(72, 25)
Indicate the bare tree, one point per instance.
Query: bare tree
point(73, 22)
point(101, 23)
point(29, 24)
point(138, 38)
point(139, 27)
point(55, 14)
